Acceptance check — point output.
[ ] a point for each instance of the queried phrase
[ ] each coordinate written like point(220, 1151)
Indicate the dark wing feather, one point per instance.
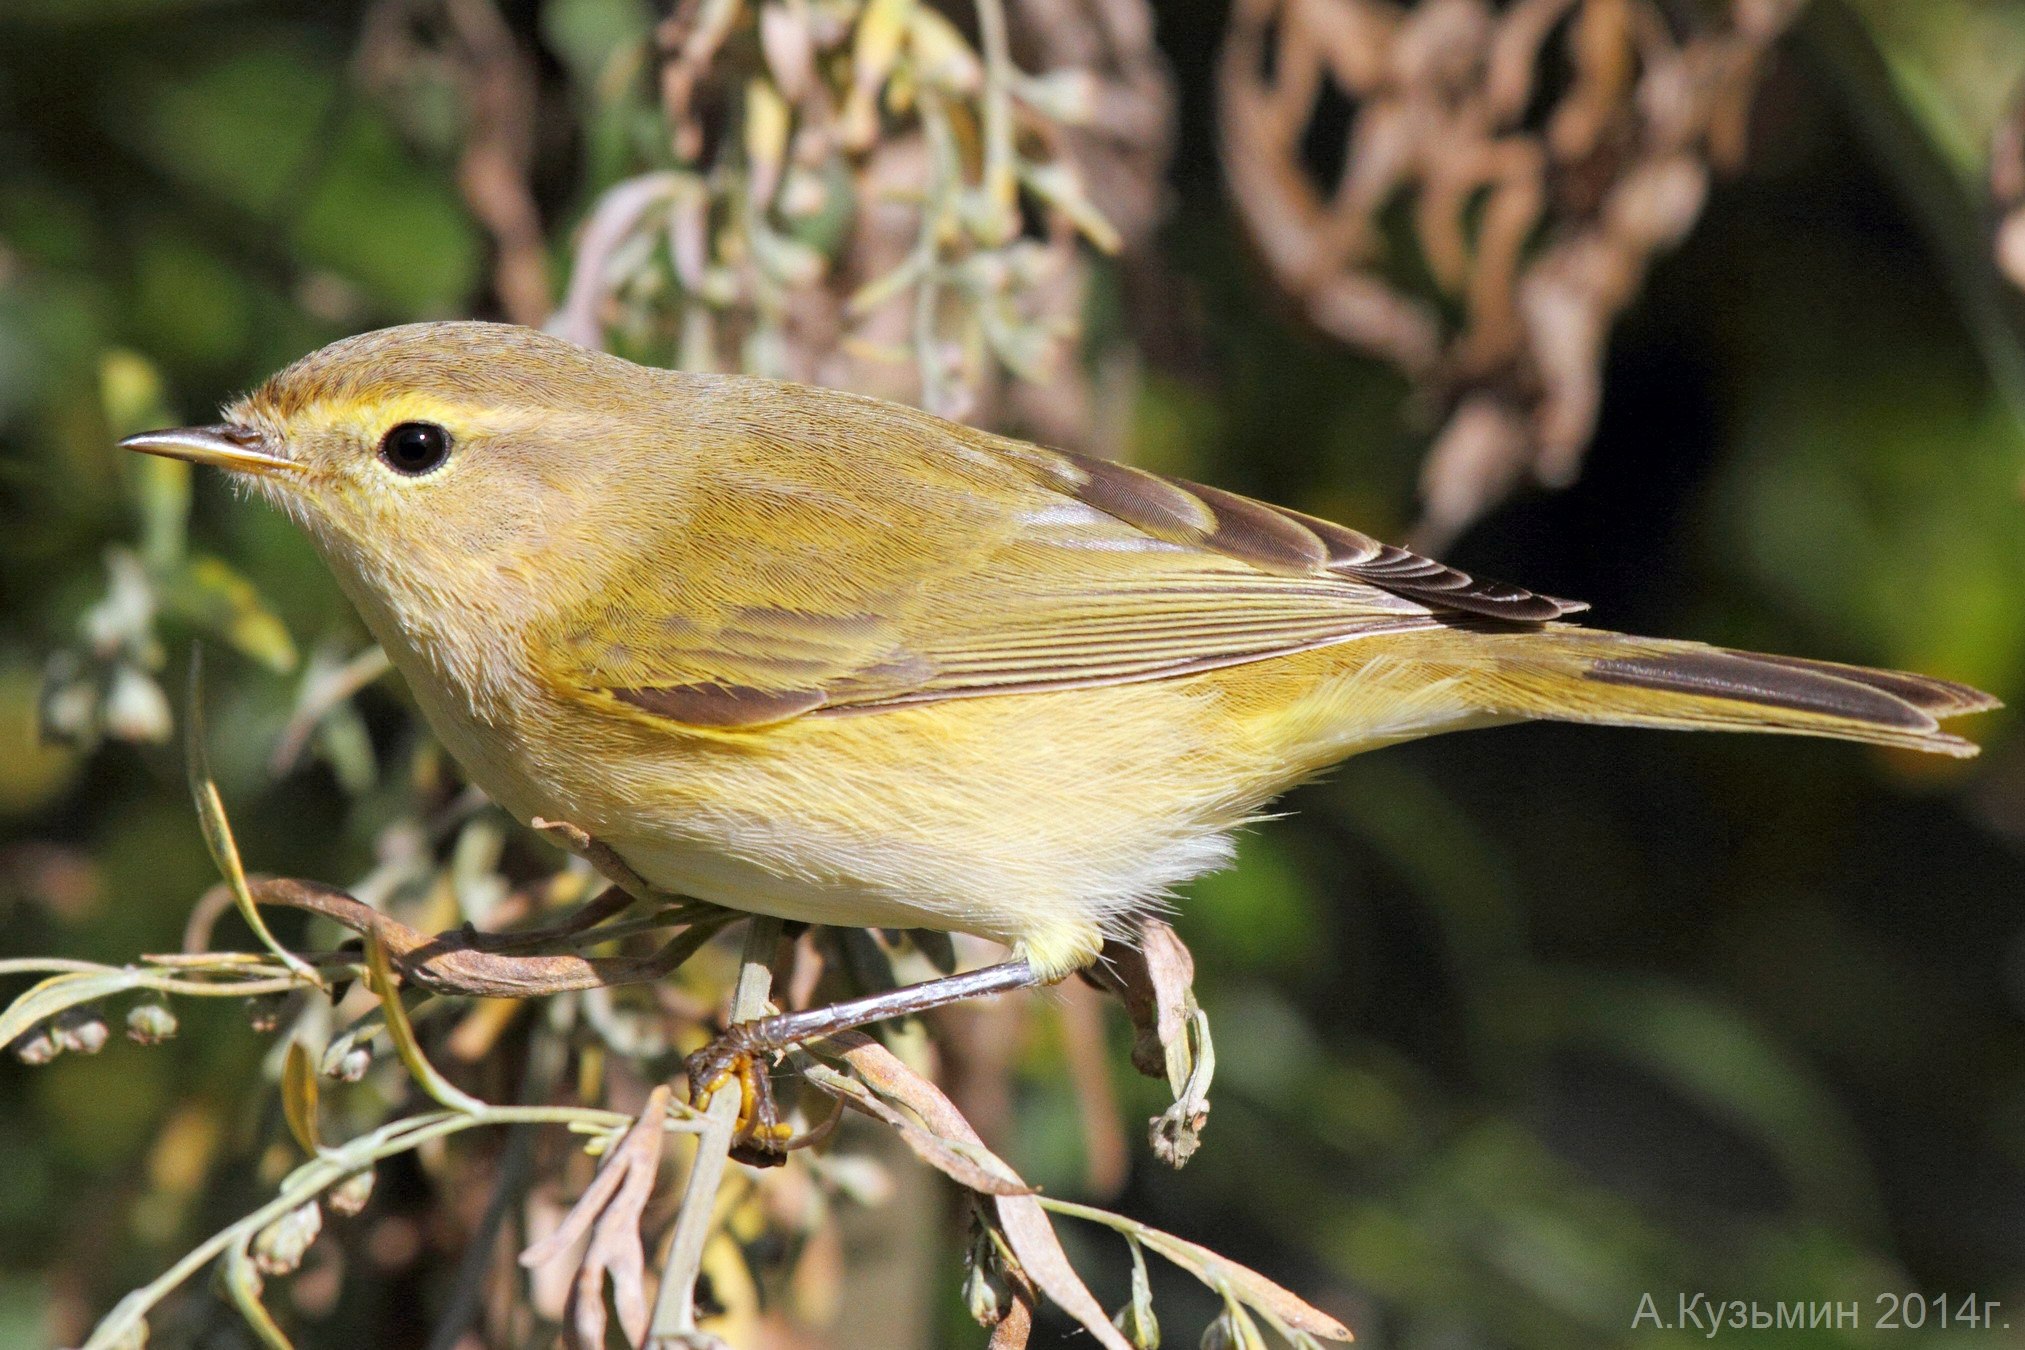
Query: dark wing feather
point(1281, 540)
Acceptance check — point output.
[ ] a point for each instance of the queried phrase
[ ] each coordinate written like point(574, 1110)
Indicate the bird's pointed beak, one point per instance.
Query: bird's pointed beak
point(224, 446)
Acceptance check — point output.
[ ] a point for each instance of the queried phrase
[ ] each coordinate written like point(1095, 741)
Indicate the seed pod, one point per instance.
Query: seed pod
point(1136, 1318)
point(263, 1011)
point(151, 1023)
point(81, 1030)
point(279, 1248)
point(1233, 1330)
point(349, 1196)
point(987, 1290)
point(36, 1046)
point(136, 709)
point(346, 1060)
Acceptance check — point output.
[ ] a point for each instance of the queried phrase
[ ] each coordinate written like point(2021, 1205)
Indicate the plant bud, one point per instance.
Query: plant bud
point(136, 709)
point(81, 1030)
point(67, 712)
point(987, 1292)
point(1232, 1330)
point(36, 1046)
point(1140, 1326)
point(280, 1247)
point(263, 1011)
point(134, 1337)
point(347, 1060)
point(150, 1023)
point(987, 1295)
point(1136, 1319)
point(349, 1196)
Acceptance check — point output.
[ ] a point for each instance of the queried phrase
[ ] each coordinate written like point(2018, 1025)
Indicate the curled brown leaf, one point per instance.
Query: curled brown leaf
point(1549, 150)
point(609, 1213)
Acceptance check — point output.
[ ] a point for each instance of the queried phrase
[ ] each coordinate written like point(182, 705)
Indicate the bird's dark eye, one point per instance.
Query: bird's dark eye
point(415, 448)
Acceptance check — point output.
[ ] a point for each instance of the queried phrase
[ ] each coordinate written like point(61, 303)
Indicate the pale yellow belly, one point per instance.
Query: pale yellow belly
point(1044, 821)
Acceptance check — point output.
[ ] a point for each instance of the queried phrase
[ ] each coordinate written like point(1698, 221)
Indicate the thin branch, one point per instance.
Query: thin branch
point(1001, 181)
point(320, 1174)
point(461, 962)
point(675, 1304)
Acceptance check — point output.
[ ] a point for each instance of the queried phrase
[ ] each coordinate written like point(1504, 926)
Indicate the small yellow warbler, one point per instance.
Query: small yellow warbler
point(814, 655)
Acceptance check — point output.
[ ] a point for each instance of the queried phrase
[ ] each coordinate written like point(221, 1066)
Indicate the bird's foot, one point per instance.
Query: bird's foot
point(760, 1137)
point(741, 1053)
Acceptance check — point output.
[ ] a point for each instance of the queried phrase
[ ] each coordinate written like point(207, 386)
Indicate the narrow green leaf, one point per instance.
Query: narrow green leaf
point(43, 1001)
point(402, 1033)
point(218, 830)
point(242, 1285)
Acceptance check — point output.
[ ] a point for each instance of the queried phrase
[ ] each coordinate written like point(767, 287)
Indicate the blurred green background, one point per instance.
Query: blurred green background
point(1512, 1027)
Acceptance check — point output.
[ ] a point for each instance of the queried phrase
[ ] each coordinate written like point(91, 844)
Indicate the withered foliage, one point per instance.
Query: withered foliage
point(886, 198)
point(603, 1236)
point(1529, 161)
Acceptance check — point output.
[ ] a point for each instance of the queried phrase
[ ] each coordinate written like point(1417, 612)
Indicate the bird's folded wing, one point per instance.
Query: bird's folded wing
point(1017, 569)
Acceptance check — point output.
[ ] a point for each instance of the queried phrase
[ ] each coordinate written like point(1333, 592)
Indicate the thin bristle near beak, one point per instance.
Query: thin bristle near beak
point(223, 446)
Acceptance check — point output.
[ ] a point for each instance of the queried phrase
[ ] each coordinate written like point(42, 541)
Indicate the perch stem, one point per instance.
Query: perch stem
point(675, 1303)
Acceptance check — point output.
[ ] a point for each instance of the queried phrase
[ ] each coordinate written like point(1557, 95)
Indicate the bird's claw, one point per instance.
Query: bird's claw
point(760, 1137)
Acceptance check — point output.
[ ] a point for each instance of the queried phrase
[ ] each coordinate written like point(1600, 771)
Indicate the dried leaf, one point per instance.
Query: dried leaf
point(1288, 1311)
point(972, 1167)
point(609, 1211)
point(298, 1098)
point(1028, 1232)
point(1012, 1331)
point(1032, 1239)
point(1154, 977)
point(1516, 135)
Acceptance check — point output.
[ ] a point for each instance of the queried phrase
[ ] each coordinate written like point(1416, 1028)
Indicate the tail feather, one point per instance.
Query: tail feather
point(1579, 675)
point(1942, 698)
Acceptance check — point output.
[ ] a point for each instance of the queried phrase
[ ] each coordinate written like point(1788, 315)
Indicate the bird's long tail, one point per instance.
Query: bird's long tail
point(1572, 674)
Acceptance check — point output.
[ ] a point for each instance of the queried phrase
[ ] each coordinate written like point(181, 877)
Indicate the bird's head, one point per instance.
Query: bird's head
point(440, 453)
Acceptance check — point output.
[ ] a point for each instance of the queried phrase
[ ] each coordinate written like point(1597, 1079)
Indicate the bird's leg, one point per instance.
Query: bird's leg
point(740, 1053)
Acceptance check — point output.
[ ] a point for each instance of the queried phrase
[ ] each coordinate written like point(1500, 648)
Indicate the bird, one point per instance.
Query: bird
point(805, 653)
